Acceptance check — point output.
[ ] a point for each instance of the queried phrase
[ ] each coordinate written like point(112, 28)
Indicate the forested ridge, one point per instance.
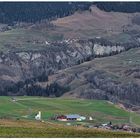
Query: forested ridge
point(127, 7)
point(36, 11)
point(11, 12)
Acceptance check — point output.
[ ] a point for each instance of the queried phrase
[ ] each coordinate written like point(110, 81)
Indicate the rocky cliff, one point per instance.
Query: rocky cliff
point(20, 65)
point(114, 78)
point(17, 66)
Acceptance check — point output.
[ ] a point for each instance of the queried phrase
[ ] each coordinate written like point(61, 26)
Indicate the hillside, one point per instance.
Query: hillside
point(34, 51)
point(29, 52)
point(88, 24)
point(114, 78)
point(115, 26)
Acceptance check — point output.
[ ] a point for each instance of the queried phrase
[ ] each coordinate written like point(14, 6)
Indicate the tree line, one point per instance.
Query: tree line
point(11, 12)
point(127, 7)
point(30, 87)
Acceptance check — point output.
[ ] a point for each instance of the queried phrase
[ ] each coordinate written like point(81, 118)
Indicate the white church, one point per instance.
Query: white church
point(38, 116)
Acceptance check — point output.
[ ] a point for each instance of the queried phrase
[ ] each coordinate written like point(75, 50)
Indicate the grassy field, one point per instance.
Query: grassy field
point(17, 117)
point(33, 129)
point(24, 39)
point(101, 111)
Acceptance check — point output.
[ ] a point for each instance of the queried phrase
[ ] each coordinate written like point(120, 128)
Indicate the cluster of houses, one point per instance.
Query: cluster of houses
point(116, 127)
point(69, 117)
point(77, 117)
point(110, 126)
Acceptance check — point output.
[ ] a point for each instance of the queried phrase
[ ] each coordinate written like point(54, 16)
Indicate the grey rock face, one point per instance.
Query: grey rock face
point(21, 65)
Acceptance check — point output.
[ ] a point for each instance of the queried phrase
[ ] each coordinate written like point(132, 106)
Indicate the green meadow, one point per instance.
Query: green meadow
point(101, 111)
point(17, 117)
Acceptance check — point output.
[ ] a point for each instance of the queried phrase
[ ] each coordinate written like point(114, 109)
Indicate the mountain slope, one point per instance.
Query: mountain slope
point(28, 53)
point(115, 26)
point(88, 24)
point(36, 50)
point(115, 78)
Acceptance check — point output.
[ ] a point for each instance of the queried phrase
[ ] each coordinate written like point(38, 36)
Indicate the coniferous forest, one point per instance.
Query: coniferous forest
point(36, 11)
point(11, 12)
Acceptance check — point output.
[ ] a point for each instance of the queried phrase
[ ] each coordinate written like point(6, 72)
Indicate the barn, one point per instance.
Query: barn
point(71, 117)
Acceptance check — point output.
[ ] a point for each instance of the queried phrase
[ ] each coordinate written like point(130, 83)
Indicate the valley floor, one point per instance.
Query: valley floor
point(17, 117)
point(26, 107)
